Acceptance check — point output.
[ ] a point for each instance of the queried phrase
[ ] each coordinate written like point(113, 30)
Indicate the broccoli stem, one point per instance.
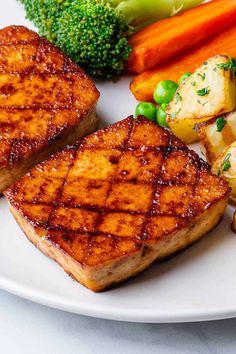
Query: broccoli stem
point(140, 13)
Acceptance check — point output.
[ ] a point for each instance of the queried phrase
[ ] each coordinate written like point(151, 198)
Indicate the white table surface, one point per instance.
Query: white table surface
point(28, 328)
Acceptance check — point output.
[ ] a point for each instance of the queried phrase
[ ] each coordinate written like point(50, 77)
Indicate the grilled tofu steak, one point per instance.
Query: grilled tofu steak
point(121, 198)
point(46, 102)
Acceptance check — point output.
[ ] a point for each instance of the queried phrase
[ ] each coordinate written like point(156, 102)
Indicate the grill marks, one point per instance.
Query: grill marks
point(42, 94)
point(121, 188)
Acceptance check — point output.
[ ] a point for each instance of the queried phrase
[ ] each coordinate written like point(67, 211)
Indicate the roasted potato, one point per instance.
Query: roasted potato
point(216, 134)
point(209, 92)
point(225, 166)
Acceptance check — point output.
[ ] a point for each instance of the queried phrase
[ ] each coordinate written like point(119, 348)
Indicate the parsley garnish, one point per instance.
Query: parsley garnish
point(203, 92)
point(193, 83)
point(178, 97)
point(173, 115)
point(203, 76)
point(220, 123)
point(178, 111)
point(231, 65)
point(226, 163)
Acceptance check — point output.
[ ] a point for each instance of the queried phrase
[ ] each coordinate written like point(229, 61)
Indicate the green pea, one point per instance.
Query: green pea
point(184, 77)
point(164, 106)
point(164, 91)
point(161, 115)
point(146, 109)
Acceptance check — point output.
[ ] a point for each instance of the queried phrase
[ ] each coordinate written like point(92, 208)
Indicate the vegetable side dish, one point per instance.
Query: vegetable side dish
point(170, 45)
point(95, 33)
point(165, 39)
point(207, 93)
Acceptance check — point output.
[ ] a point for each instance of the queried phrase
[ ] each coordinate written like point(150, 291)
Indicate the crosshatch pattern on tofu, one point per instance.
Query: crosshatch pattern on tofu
point(42, 94)
point(122, 187)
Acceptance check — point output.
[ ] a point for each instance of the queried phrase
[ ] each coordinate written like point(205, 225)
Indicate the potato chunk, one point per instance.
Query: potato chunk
point(215, 135)
point(225, 166)
point(209, 92)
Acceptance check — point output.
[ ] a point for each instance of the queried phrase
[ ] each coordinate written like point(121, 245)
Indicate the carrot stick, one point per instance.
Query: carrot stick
point(144, 84)
point(162, 40)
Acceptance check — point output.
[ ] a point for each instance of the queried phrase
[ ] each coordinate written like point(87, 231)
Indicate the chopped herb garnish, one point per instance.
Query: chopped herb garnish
point(198, 101)
point(226, 163)
point(205, 62)
point(178, 111)
point(178, 97)
point(227, 166)
point(203, 104)
point(193, 83)
point(220, 123)
point(173, 115)
point(203, 92)
point(231, 65)
point(203, 76)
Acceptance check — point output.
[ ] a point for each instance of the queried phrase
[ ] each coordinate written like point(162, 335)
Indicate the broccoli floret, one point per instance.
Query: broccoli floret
point(94, 33)
point(91, 32)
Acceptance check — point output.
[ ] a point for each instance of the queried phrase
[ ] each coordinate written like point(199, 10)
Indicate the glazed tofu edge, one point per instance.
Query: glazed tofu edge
point(10, 174)
point(101, 277)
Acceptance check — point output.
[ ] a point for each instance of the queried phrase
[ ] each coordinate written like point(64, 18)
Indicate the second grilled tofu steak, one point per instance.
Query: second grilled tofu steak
point(122, 197)
point(46, 102)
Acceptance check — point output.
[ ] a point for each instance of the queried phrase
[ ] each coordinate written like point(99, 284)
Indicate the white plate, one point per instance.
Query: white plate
point(198, 284)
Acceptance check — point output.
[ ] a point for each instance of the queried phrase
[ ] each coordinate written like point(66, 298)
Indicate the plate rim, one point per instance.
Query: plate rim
point(110, 312)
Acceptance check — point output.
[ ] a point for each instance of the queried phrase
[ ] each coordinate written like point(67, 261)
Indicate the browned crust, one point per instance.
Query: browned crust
point(46, 101)
point(86, 126)
point(126, 266)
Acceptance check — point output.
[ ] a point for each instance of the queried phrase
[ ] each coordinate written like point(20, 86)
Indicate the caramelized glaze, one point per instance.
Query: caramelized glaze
point(118, 190)
point(42, 94)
